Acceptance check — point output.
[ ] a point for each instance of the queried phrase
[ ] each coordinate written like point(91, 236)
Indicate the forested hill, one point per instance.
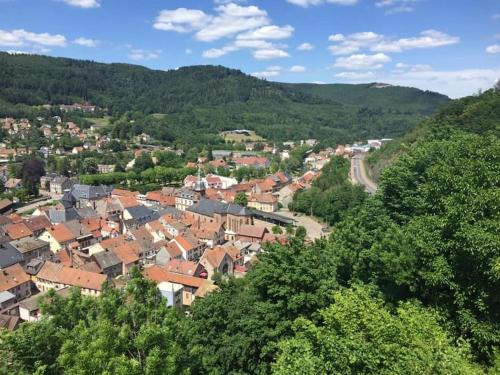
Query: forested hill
point(375, 95)
point(215, 98)
point(472, 114)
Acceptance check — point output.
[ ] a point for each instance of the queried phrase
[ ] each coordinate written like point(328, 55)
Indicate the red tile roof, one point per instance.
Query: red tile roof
point(263, 198)
point(61, 274)
point(61, 233)
point(17, 231)
point(214, 256)
point(12, 276)
point(252, 231)
point(36, 223)
point(173, 249)
point(158, 274)
point(124, 193)
point(181, 266)
point(126, 253)
point(183, 242)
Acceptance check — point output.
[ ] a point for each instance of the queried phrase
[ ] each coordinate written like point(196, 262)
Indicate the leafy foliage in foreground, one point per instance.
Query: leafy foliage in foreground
point(120, 332)
point(237, 330)
point(359, 335)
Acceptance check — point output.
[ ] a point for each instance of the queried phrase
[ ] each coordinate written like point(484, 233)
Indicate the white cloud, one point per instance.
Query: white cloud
point(268, 32)
point(181, 20)
point(368, 40)
point(143, 55)
point(355, 76)
point(455, 83)
point(427, 39)
point(495, 48)
point(305, 47)
point(343, 49)
point(405, 68)
point(319, 82)
point(86, 42)
point(270, 53)
point(353, 42)
point(214, 53)
point(271, 71)
point(232, 19)
point(397, 6)
point(22, 37)
point(248, 27)
point(253, 44)
point(298, 69)
point(188, 51)
point(336, 37)
point(362, 61)
point(307, 3)
point(86, 4)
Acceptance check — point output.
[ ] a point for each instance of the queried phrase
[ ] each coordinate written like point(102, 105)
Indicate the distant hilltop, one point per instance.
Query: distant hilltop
point(379, 85)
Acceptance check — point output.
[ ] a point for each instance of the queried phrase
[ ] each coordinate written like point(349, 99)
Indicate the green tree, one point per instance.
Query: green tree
point(237, 329)
point(277, 229)
point(120, 332)
point(301, 232)
point(360, 335)
point(241, 199)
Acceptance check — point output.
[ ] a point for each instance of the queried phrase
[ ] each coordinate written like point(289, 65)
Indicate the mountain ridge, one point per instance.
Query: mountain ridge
point(216, 98)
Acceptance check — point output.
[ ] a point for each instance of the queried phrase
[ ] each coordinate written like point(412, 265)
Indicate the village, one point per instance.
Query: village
point(184, 238)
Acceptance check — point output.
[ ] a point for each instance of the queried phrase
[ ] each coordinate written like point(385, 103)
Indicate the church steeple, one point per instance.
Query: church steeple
point(199, 186)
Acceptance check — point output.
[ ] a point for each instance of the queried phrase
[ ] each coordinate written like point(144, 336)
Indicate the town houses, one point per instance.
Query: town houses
point(210, 216)
point(180, 238)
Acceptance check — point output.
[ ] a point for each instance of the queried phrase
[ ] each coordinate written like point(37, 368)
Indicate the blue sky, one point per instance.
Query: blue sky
point(449, 46)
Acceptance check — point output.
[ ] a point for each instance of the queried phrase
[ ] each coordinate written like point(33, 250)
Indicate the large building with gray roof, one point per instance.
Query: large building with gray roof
point(233, 216)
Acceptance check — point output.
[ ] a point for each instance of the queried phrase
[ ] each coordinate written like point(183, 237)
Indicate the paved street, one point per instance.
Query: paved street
point(359, 176)
point(312, 226)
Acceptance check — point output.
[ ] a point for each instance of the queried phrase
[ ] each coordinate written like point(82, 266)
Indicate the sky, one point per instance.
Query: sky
point(448, 46)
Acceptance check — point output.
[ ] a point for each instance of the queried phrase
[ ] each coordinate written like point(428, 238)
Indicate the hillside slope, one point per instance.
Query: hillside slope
point(215, 98)
point(374, 95)
point(473, 114)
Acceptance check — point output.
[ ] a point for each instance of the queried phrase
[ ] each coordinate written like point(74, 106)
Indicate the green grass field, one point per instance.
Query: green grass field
point(100, 122)
point(228, 137)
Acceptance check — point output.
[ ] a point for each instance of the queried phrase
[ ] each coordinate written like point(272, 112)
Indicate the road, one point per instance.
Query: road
point(359, 176)
point(34, 205)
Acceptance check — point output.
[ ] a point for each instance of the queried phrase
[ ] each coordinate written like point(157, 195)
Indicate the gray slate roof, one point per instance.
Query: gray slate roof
point(61, 216)
point(28, 244)
point(90, 192)
point(6, 296)
point(9, 255)
point(68, 200)
point(87, 213)
point(106, 259)
point(141, 215)
point(209, 207)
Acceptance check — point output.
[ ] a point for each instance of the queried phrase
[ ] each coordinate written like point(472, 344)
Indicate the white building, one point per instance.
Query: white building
point(172, 292)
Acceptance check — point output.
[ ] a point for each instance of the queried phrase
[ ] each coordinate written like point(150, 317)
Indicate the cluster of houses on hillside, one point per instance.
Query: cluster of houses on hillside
point(179, 238)
point(358, 148)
